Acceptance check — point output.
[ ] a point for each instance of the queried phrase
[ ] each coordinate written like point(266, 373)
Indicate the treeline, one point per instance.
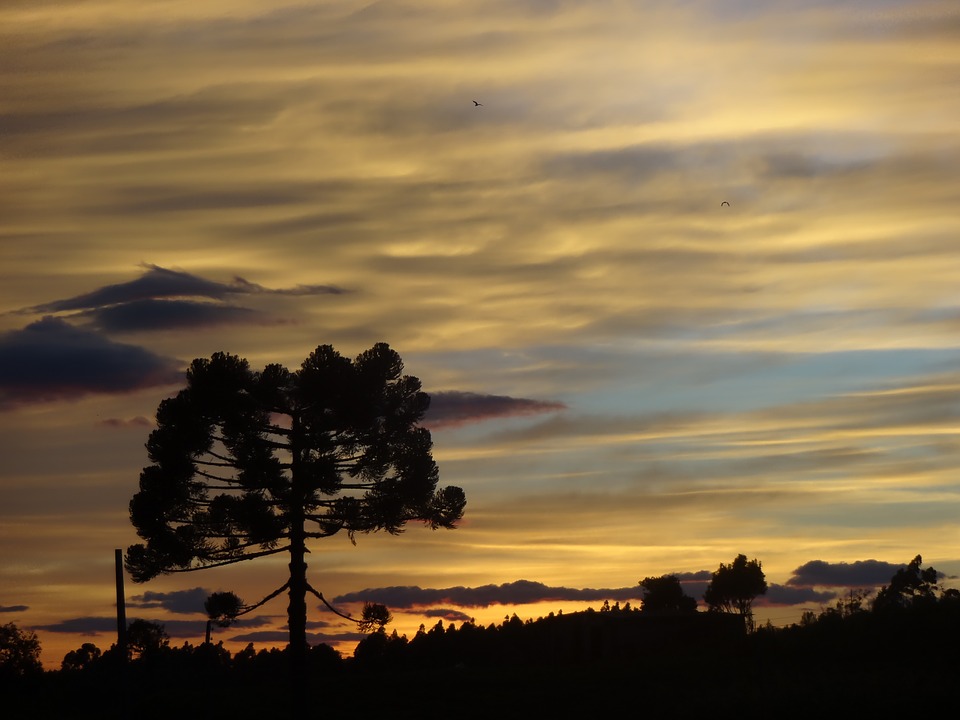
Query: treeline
point(891, 651)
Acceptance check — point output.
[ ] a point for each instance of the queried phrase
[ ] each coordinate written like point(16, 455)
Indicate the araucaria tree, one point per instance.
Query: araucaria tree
point(733, 588)
point(247, 464)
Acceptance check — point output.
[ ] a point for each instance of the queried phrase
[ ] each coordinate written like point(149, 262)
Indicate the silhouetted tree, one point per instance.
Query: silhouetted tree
point(145, 637)
point(248, 464)
point(19, 652)
point(950, 598)
point(81, 658)
point(379, 650)
point(222, 609)
point(910, 586)
point(664, 594)
point(733, 588)
point(374, 618)
point(849, 604)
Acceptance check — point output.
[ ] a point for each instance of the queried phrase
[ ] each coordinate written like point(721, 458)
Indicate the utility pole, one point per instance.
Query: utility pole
point(121, 606)
point(123, 692)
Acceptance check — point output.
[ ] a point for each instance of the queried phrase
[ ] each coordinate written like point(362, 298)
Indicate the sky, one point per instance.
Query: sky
point(630, 378)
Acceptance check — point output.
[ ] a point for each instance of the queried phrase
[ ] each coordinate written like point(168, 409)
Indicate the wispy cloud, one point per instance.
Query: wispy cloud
point(452, 408)
point(680, 381)
point(163, 299)
point(138, 421)
point(13, 608)
point(146, 315)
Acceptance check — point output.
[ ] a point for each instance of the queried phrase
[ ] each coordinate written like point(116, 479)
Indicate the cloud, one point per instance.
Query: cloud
point(187, 602)
point(783, 595)
point(139, 422)
point(153, 314)
point(700, 575)
point(448, 614)
point(861, 573)
point(454, 408)
point(158, 282)
point(521, 592)
point(94, 626)
point(51, 360)
point(82, 626)
point(695, 585)
point(267, 636)
point(163, 299)
point(316, 624)
point(524, 592)
point(13, 608)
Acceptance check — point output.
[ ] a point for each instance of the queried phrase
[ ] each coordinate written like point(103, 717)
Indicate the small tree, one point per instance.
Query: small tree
point(733, 588)
point(374, 618)
point(222, 609)
point(19, 652)
point(910, 587)
point(664, 595)
point(248, 464)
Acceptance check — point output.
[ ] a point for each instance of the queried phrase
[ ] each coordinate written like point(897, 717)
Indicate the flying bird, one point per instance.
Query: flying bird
point(724, 203)
point(477, 104)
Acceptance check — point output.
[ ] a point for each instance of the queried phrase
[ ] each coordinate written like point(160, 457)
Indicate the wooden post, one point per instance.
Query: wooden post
point(123, 692)
point(121, 606)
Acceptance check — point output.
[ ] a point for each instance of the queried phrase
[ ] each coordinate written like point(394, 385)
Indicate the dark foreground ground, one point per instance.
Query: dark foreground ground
point(749, 684)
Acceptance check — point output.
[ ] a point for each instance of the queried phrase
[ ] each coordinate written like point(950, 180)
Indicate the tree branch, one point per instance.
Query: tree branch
point(246, 556)
point(271, 596)
point(331, 607)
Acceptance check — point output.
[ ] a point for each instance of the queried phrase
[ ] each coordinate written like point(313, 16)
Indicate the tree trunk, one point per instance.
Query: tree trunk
point(297, 607)
point(297, 619)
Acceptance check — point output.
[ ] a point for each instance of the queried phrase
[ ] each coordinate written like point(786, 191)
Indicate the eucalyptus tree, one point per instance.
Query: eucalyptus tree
point(250, 464)
point(910, 587)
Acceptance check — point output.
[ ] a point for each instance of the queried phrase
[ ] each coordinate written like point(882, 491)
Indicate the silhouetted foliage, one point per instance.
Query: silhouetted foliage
point(81, 658)
point(19, 652)
point(222, 609)
point(247, 464)
point(583, 664)
point(145, 637)
point(733, 588)
point(664, 594)
point(911, 586)
point(374, 617)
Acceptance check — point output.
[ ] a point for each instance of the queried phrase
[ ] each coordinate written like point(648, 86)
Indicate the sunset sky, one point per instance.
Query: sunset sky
point(629, 379)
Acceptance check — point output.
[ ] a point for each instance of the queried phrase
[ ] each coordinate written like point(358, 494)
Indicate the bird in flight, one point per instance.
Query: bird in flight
point(477, 104)
point(724, 203)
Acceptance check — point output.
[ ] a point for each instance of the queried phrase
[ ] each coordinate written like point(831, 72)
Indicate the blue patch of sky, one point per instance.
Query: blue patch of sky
point(681, 376)
point(738, 382)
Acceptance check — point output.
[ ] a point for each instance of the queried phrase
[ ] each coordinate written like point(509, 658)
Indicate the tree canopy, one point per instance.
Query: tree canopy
point(246, 464)
point(19, 651)
point(664, 594)
point(733, 588)
point(910, 586)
